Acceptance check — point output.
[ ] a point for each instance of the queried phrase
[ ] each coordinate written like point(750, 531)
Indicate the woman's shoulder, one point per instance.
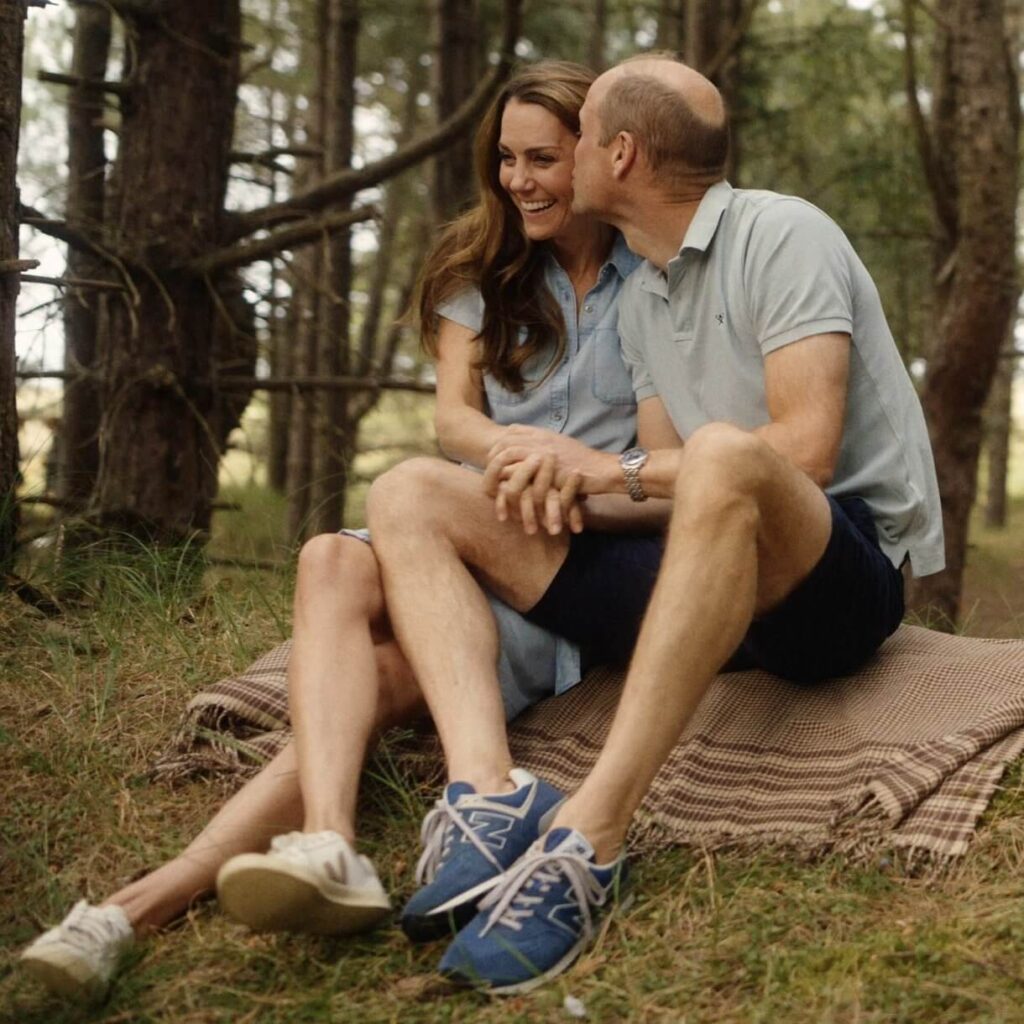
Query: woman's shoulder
point(465, 307)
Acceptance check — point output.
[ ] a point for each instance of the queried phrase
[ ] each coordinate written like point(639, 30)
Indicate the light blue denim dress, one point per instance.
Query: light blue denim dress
point(588, 395)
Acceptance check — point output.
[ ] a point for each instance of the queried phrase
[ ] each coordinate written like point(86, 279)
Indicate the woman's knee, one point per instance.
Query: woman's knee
point(338, 567)
point(407, 493)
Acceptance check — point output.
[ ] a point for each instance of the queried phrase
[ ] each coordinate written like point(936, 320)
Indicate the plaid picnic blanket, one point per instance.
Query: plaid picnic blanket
point(905, 753)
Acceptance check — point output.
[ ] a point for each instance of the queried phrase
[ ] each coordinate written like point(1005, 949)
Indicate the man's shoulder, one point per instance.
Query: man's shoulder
point(763, 210)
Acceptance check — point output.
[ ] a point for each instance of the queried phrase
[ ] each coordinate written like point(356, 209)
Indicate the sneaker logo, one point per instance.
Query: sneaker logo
point(567, 915)
point(491, 827)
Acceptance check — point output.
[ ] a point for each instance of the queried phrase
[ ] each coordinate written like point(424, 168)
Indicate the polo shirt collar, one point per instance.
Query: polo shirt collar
point(709, 213)
point(699, 234)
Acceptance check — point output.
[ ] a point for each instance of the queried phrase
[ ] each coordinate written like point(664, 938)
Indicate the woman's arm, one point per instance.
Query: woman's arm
point(464, 431)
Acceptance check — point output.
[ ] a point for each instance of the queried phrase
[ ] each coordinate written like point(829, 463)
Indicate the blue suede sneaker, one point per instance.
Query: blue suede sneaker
point(469, 839)
point(538, 920)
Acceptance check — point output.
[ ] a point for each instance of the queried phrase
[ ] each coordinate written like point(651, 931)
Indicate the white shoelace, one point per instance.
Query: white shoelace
point(436, 838)
point(510, 906)
point(88, 926)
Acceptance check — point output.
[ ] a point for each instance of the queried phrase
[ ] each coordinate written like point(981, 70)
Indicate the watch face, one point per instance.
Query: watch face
point(634, 457)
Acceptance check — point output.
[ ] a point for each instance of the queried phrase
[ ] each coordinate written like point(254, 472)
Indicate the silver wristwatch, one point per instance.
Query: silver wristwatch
point(632, 461)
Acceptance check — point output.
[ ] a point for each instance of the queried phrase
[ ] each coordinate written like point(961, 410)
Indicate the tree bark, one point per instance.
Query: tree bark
point(998, 432)
point(12, 29)
point(331, 436)
point(78, 438)
point(158, 453)
point(976, 285)
point(709, 36)
point(596, 48)
point(458, 69)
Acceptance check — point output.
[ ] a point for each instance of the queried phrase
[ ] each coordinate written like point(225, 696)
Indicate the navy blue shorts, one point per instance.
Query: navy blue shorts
point(829, 626)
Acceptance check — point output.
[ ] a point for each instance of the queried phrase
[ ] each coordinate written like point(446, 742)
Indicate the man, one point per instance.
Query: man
point(776, 415)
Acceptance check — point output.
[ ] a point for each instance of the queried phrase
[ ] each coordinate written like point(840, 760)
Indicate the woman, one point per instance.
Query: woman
point(518, 308)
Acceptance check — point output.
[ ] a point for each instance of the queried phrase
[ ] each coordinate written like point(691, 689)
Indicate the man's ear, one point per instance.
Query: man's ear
point(624, 155)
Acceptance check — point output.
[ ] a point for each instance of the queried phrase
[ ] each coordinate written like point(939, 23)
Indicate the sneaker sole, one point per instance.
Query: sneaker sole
point(281, 897)
point(63, 976)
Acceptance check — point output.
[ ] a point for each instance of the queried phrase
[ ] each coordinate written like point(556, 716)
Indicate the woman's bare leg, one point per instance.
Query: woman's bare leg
point(268, 804)
point(346, 677)
point(348, 683)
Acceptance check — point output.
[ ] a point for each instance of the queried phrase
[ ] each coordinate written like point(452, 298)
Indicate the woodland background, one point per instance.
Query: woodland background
point(243, 193)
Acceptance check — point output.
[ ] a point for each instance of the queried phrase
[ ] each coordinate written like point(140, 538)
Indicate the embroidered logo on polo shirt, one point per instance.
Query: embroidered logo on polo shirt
point(720, 317)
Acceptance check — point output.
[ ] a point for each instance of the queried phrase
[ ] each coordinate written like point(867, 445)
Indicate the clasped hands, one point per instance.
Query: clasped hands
point(538, 477)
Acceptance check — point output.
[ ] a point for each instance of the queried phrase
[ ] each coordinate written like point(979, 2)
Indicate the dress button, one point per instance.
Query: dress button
point(588, 308)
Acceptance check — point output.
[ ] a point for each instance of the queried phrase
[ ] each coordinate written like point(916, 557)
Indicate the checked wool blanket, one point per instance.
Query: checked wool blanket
point(906, 753)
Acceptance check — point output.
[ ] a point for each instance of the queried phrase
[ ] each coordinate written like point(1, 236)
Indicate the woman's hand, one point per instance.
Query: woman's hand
point(526, 490)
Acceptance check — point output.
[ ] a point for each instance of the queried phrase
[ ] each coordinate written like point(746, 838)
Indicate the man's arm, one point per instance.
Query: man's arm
point(805, 388)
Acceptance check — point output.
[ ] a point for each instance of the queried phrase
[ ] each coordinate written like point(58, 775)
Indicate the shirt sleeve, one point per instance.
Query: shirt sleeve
point(797, 275)
point(465, 308)
point(632, 348)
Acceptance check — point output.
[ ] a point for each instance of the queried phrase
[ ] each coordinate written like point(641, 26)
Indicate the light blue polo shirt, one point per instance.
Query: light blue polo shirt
point(757, 271)
point(589, 396)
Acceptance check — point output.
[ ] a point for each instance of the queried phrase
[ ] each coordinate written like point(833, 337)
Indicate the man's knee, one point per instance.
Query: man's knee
point(723, 468)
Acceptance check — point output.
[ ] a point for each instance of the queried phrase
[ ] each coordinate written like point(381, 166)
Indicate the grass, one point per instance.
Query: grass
point(86, 702)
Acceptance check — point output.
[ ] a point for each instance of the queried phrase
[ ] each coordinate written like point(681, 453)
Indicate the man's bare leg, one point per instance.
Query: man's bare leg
point(747, 527)
point(429, 520)
point(342, 646)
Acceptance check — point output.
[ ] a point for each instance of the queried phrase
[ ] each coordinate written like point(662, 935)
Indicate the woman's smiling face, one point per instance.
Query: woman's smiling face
point(536, 160)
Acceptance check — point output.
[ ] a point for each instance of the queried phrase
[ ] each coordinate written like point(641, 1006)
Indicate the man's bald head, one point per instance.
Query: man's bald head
point(675, 115)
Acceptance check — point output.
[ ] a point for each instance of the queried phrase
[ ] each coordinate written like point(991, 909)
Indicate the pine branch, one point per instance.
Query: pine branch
point(290, 237)
point(732, 41)
point(55, 78)
point(58, 229)
point(343, 184)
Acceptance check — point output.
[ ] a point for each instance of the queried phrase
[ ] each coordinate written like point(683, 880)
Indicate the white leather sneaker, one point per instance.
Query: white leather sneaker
point(312, 882)
point(78, 957)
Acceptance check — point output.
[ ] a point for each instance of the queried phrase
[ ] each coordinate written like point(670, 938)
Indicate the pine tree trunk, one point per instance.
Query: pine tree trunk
point(458, 68)
point(158, 452)
point(979, 285)
point(331, 441)
point(596, 48)
point(78, 438)
point(998, 431)
point(304, 310)
point(12, 28)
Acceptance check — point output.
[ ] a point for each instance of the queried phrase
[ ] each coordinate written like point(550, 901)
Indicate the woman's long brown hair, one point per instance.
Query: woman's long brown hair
point(486, 247)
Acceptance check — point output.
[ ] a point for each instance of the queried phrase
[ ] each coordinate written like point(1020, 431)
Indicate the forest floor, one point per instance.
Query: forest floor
point(87, 701)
